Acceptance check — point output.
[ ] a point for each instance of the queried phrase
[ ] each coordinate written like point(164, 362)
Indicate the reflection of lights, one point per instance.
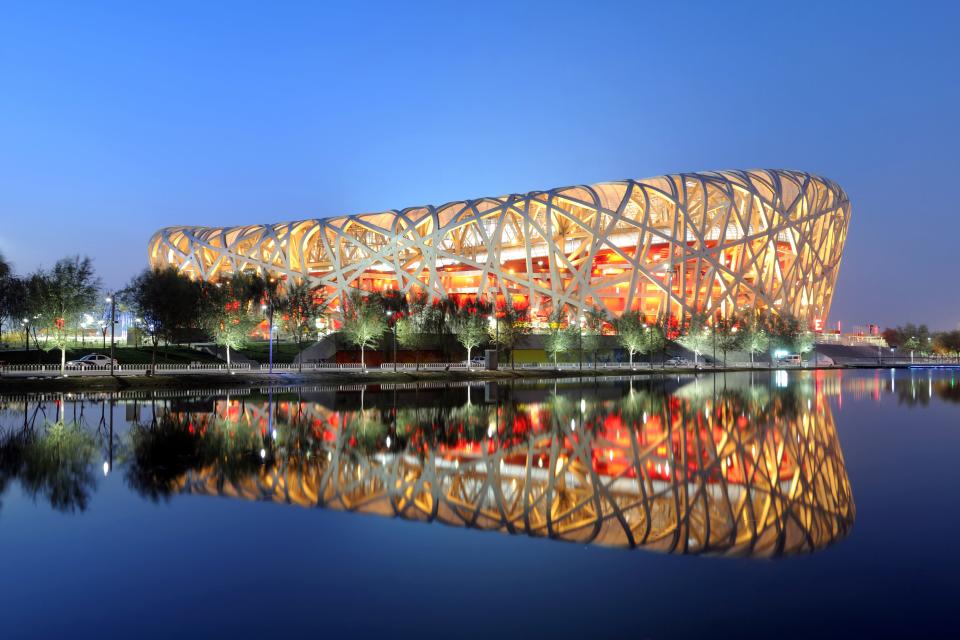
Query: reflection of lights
point(274, 434)
point(573, 424)
point(388, 441)
point(781, 379)
point(583, 405)
point(263, 453)
point(106, 467)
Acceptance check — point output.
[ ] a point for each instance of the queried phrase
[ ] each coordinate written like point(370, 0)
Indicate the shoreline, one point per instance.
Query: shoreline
point(288, 378)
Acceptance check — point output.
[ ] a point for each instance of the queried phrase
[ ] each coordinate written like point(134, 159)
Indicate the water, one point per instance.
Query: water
point(755, 505)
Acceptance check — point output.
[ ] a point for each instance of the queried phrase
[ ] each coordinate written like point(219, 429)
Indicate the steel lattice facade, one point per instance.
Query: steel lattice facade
point(673, 245)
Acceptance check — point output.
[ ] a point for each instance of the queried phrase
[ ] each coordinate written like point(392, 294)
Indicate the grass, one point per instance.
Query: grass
point(283, 352)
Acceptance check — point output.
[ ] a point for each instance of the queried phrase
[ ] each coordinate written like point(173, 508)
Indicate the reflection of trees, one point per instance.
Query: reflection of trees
point(174, 444)
point(58, 465)
point(12, 446)
point(708, 468)
point(948, 390)
point(919, 392)
point(367, 428)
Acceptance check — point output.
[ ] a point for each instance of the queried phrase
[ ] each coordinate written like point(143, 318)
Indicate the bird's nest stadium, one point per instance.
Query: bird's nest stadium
point(670, 246)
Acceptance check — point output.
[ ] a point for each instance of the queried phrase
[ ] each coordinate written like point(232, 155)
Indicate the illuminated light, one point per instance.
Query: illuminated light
point(263, 453)
point(540, 462)
point(106, 468)
point(388, 442)
point(385, 245)
point(573, 424)
point(583, 405)
point(274, 434)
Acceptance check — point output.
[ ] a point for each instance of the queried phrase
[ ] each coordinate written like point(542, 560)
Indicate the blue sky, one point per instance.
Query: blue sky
point(120, 118)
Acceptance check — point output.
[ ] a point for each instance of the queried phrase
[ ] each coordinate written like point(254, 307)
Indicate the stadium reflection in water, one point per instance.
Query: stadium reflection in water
point(697, 466)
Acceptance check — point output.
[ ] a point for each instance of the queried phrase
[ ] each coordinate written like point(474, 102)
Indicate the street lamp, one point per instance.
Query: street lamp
point(112, 299)
point(393, 325)
point(582, 320)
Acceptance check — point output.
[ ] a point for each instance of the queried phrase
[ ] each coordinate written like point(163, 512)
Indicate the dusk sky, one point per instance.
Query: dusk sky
point(118, 119)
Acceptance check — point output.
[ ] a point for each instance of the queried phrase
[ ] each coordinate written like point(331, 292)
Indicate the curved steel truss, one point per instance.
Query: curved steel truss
point(704, 472)
point(676, 245)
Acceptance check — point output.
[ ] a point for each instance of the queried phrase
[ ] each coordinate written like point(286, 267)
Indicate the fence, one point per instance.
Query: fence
point(53, 370)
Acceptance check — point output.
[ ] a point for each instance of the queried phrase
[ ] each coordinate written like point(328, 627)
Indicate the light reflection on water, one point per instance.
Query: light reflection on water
point(741, 464)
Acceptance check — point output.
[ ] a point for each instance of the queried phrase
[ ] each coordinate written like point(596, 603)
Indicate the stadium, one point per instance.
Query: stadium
point(670, 246)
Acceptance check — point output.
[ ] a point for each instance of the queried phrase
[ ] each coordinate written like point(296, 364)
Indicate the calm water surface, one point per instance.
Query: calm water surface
point(749, 505)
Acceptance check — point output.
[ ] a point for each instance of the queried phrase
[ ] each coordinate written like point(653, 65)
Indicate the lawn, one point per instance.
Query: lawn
point(283, 352)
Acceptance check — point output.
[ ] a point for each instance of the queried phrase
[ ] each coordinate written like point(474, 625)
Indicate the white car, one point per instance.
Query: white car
point(90, 361)
point(678, 361)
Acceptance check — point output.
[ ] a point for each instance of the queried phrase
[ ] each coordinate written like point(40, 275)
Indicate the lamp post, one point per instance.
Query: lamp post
point(112, 299)
point(582, 319)
point(393, 325)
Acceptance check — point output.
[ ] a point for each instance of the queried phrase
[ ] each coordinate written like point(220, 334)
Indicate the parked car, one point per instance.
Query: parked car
point(791, 360)
point(678, 361)
point(90, 361)
point(477, 363)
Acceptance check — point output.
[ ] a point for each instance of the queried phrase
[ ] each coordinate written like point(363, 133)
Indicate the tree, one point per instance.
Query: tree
point(415, 328)
point(919, 335)
point(804, 341)
point(751, 326)
point(590, 332)
point(911, 344)
point(301, 306)
point(13, 301)
point(166, 301)
point(364, 321)
point(656, 338)
point(6, 277)
point(785, 332)
point(632, 333)
point(59, 296)
point(266, 291)
point(226, 311)
point(947, 342)
point(729, 337)
point(510, 324)
point(559, 338)
point(468, 322)
point(697, 337)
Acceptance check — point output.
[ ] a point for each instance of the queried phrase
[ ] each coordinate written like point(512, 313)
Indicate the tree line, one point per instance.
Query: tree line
point(919, 339)
point(47, 308)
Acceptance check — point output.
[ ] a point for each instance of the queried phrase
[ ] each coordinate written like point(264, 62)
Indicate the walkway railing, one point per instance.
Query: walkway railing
point(200, 368)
